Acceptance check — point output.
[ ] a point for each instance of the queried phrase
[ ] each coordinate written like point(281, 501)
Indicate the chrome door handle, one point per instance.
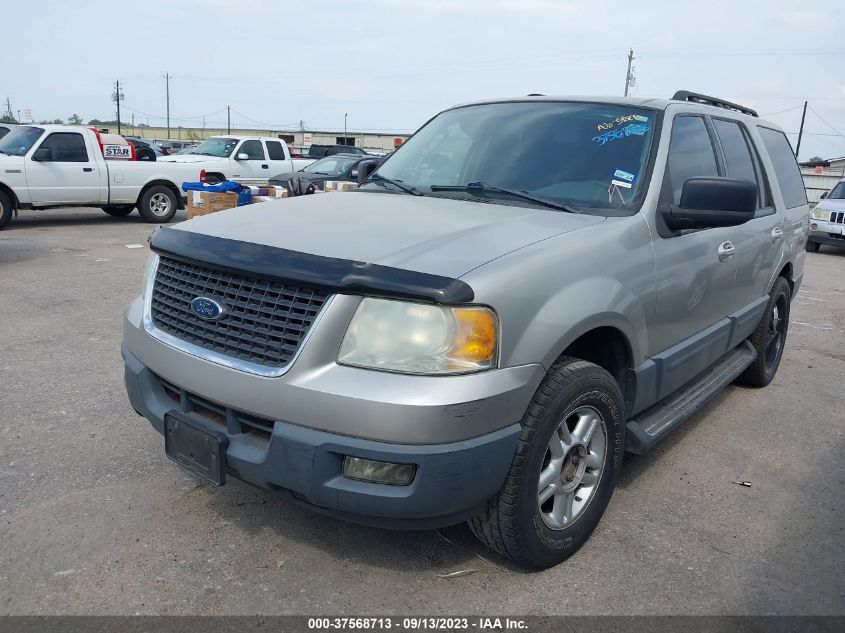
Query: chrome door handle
point(777, 234)
point(726, 251)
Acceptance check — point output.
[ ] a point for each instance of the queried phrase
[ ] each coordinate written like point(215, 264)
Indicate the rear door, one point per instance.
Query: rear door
point(760, 243)
point(279, 163)
point(63, 169)
point(785, 175)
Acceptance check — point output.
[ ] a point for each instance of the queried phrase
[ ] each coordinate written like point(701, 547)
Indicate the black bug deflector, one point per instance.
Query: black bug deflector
point(337, 275)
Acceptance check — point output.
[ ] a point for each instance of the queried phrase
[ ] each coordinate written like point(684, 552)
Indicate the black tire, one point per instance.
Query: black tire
point(119, 211)
point(213, 179)
point(145, 153)
point(6, 209)
point(769, 338)
point(158, 204)
point(512, 522)
point(813, 247)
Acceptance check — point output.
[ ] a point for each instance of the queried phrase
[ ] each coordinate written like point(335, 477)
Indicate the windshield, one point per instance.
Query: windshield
point(333, 165)
point(838, 192)
point(586, 154)
point(217, 146)
point(19, 141)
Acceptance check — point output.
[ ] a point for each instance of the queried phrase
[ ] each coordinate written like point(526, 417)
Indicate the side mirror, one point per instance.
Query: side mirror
point(823, 196)
point(366, 169)
point(242, 156)
point(42, 154)
point(712, 202)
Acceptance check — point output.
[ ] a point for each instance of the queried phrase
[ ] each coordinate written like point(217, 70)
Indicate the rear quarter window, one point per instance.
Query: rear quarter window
point(786, 167)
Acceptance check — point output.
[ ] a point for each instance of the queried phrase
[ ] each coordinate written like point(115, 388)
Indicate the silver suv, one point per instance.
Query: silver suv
point(523, 291)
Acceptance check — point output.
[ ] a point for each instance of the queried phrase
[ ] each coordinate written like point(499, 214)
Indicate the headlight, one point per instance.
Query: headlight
point(149, 273)
point(820, 214)
point(416, 338)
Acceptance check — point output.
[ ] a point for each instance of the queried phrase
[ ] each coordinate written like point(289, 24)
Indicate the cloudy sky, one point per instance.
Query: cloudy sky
point(391, 64)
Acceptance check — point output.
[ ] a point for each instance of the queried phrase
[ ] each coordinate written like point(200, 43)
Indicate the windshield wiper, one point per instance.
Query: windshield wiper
point(379, 178)
point(482, 187)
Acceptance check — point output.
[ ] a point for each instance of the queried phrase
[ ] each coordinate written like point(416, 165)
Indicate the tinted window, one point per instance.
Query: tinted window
point(690, 153)
point(252, 149)
point(786, 167)
point(275, 150)
point(66, 147)
point(737, 154)
point(3, 131)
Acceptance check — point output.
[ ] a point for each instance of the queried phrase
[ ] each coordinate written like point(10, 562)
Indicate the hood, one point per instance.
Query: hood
point(433, 235)
point(831, 204)
point(189, 158)
point(9, 161)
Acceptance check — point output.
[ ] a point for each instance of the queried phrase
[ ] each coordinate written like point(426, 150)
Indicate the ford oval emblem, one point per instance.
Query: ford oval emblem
point(206, 308)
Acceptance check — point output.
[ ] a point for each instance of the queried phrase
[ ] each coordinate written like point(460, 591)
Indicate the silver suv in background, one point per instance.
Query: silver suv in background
point(827, 221)
point(524, 290)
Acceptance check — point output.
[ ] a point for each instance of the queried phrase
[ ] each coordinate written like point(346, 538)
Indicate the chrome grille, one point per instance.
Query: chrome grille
point(837, 217)
point(263, 321)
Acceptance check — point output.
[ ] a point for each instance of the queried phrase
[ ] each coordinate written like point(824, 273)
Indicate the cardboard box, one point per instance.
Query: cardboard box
point(338, 185)
point(205, 202)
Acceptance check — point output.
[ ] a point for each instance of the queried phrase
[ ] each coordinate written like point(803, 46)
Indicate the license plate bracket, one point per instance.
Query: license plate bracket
point(196, 448)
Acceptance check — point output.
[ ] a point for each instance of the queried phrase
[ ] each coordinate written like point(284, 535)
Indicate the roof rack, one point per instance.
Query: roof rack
point(694, 97)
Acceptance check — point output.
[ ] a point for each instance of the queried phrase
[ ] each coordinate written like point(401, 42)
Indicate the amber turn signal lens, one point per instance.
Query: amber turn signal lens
point(475, 339)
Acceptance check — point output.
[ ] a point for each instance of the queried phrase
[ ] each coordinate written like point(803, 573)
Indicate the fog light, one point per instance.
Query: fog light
point(814, 226)
point(378, 472)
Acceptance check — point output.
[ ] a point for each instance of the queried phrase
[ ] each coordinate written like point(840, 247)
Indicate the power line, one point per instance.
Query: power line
point(781, 111)
point(826, 123)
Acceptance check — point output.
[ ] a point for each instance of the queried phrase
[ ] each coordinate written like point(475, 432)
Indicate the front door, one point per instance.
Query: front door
point(254, 166)
point(60, 170)
point(697, 269)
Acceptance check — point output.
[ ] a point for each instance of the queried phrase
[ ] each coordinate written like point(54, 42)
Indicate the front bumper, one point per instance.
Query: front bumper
point(824, 232)
point(460, 432)
point(451, 481)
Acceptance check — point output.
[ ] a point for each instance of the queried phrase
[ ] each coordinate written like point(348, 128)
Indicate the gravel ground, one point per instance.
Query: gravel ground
point(96, 520)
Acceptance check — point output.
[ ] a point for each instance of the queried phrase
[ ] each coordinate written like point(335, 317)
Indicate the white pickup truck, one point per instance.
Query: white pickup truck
point(59, 165)
point(244, 159)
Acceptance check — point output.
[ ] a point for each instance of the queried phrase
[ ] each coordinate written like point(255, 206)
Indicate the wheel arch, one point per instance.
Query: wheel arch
point(11, 193)
point(164, 183)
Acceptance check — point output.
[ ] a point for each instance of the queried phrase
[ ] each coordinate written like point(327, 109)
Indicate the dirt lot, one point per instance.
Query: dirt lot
point(95, 519)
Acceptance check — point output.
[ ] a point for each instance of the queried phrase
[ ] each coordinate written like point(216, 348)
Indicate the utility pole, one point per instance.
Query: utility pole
point(228, 120)
point(628, 75)
point(117, 97)
point(801, 130)
point(345, 142)
point(9, 110)
point(167, 81)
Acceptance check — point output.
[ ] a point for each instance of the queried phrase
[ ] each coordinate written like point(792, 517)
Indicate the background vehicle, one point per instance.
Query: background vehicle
point(146, 149)
point(343, 167)
point(174, 147)
point(321, 151)
point(827, 220)
point(244, 159)
point(479, 341)
point(57, 165)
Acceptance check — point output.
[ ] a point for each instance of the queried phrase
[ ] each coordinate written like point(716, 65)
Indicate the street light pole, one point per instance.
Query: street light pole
point(345, 141)
point(167, 80)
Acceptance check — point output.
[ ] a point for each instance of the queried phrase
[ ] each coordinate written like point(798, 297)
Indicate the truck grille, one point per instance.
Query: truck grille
point(837, 217)
point(263, 321)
